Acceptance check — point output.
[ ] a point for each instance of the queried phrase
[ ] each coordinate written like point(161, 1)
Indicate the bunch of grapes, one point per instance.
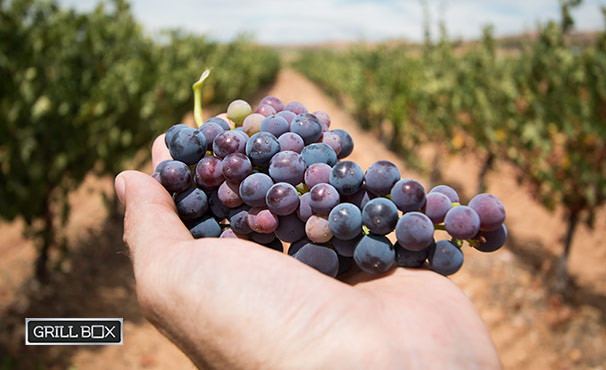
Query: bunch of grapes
point(277, 175)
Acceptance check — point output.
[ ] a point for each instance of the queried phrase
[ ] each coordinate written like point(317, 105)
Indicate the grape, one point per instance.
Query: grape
point(380, 216)
point(307, 126)
point(345, 263)
point(240, 131)
point(217, 208)
point(319, 153)
point(187, 145)
point(346, 247)
point(230, 233)
point(291, 142)
point(230, 124)
point(287, 167)
point(229, 194)
point(345, 221)
point(317, 229)
point(408, 195)
point(237, 110)
point(287, 115)
point(175, 176)
point(462, 222)
point(275, 102)
point(238, 219)
point(191, 204)
point(490, 210)
point(437, 204)
point(414, 231)
point(252, 123)
point(347, 143)
point(448, 191)
point(317, 173)
point(374, 254)
point(295, 107)
point(207, 227)
point(209, 172)
point(360, 198)
point(210, 130)
point(294, 247)
point(235, 167)
point(156, 176)
point(262, 238)
point(262, 220)
point(347, 177)
point(172, 131)
point(322, 117)
point(261, 147)
point(290, 228)
point(304, 210)
point(381, 176)
point(229, 142)
point(322, 198)
point(321, 258)
point(265, 110)
point(282, 199)
point(276, 245)
point(275, 125)
point(332, 140)
point(254, 188)
point(411, 259)
point(160, 165)
point(490, 241)
point(445, 257)
point(219, 121)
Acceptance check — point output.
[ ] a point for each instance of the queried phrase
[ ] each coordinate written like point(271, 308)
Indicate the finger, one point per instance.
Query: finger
point(159, 151)
point(151, 220)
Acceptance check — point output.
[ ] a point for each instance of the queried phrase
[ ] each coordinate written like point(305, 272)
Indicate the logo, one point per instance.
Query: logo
point(73, 331)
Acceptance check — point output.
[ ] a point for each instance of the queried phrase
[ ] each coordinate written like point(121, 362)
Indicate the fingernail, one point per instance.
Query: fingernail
point(120, 186)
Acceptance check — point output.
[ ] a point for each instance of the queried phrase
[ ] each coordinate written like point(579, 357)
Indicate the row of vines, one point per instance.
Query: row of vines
point(541, 108)
point(83, 92)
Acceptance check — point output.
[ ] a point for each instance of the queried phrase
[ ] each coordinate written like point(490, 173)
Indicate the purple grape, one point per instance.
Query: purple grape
point(436, 207)
point(210, 130)
point(275, 102)
point(462, 222)
point(319, 153)
point(291, 142)
point(380, 216)
point(275, 125)
point(217, 208)
point(448, 191)
point(265, 110)
point(262, 220)
point(322, 117)
point(156, 176)
point(332, 140)
point(207, 227)
point(345, 221)
point(172, 131)
point(346, 247)
point(345, 263)
point(191, 204)
point(347, 144)
point(317, 229)
point(347, 177)
point(490, 241)
point(187, 145)
point(490, 210)
point(360, 198)
point(414, 231)
point(320, 258)
point(276, 245)
point(408, 195)
point(290, 228)
point(175, 176)
point(261, 147)
point(295, 107)
point(317, 173)
point(282, 199)
point(229, 195)
point(160, 165)
point(411, 259)
point(380, 177)
point(307, 126)
point(238, 220)
point(230, 234)
point(219, 121)
point(287, 115)
point(254, 188)
point(374, 254)
point(262, 238)
point(287, 167)
point(236, 167)
point(209, 172)
point(304, 211)
point(445, 257)
point(323, 198)
point(228, 142)
point(294, 247)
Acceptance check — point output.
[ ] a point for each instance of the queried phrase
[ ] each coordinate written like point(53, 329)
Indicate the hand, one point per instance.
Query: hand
point(233, 304)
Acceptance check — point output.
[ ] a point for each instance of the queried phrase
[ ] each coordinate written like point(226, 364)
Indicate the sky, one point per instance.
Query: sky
point(290, 22)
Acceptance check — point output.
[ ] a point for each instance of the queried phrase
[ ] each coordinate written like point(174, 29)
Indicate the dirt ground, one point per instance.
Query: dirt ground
point(532, 326)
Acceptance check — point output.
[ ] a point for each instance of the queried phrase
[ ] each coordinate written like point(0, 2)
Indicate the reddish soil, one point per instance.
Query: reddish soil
point(532, 326)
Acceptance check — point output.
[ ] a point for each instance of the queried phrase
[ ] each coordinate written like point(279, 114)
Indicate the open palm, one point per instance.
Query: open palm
point(230, 303)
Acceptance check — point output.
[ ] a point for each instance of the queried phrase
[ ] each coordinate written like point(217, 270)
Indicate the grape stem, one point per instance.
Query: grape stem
point(198, 97)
